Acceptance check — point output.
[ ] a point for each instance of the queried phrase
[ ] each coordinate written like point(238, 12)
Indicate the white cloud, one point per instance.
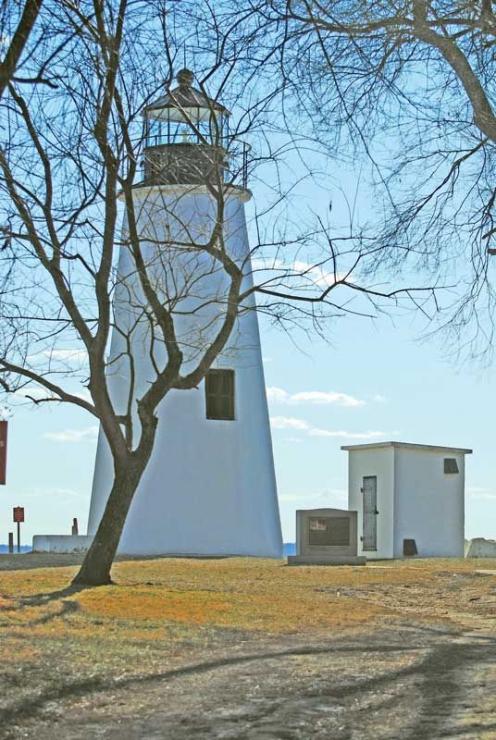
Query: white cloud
point(276, 395)
point(63, 494)
point(379, 398)
point(37, 392)
point(68, 356)
point(295, 496)
point(333, 493)
point(34, 391)
point(316, 273)
point(322, 397)
point(299, 270)
point(73, 435)
point(279, 395)
point(288, 422)
point(300, 425)
point(84, 395)
point(315, 432)
point(482, 493)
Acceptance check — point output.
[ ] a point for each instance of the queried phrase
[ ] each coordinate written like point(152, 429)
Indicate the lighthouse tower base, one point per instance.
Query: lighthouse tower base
point(209, 487)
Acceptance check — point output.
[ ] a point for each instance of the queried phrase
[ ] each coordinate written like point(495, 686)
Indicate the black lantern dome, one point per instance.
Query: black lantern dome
point(187, 137)
point(185, 101)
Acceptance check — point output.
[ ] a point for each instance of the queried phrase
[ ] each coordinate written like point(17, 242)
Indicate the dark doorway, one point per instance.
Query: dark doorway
point(370, 512)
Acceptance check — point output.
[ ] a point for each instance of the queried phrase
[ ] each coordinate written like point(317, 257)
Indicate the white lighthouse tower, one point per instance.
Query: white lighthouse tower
point(209, 487)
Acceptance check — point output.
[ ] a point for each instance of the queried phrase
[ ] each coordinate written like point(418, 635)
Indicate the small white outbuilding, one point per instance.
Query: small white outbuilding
point(404, 492)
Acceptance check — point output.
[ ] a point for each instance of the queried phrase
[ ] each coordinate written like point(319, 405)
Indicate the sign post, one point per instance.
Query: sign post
point(18, 518)
point(3, 452)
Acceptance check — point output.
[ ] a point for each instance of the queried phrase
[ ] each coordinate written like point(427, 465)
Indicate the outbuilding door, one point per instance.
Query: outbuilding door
point(369, 489)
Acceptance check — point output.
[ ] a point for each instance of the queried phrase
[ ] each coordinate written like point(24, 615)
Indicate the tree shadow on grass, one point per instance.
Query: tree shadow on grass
point(445, 677)
point(43, 599)
point(436, 679)
point(30, 707)
point(67, 608)
point(441, 676)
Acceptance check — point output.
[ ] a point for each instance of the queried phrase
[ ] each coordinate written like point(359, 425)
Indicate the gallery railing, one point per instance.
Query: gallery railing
point(191, 158)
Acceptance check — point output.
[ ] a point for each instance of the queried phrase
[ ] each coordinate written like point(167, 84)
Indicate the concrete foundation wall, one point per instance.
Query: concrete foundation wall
point(61, 543)
point(479, 547)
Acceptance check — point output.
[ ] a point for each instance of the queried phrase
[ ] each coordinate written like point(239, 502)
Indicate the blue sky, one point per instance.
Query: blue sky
point(408, 392)
point(372, 379)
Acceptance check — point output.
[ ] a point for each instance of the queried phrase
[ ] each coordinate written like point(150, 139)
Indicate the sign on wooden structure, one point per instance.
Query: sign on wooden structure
point(18, 514)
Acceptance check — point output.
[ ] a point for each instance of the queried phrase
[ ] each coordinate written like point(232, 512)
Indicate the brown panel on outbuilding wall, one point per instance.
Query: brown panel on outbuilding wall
point(409, 548)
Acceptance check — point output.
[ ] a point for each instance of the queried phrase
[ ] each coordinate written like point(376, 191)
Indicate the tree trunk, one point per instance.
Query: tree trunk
point(95, 570)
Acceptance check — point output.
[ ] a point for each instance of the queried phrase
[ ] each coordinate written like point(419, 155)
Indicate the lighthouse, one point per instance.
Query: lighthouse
point(209, 488)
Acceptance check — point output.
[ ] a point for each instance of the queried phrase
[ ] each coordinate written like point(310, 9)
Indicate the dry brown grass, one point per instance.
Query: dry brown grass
point(67, 653)
point(239, 593)
point(168, 609)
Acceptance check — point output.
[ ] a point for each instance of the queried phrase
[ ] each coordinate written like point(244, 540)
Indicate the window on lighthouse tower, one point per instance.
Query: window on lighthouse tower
point(219, 394)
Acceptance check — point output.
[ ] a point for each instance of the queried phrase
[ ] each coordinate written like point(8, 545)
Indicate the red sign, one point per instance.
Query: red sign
point(3, 452)
point(18, 514)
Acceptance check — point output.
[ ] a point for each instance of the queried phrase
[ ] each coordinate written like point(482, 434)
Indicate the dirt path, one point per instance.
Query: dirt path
point(406, 651)
point(408, 683)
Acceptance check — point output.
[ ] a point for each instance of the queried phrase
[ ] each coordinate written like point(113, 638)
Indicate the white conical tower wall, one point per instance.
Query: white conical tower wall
point(209, 488)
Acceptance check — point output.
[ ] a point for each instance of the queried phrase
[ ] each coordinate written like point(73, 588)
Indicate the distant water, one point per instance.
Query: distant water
point(289, 548)
point(24, 548)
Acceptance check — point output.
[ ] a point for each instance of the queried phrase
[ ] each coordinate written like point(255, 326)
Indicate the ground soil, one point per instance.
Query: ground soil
point(413, 657)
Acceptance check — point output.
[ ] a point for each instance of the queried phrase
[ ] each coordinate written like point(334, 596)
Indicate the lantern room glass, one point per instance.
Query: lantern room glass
point(186, 126)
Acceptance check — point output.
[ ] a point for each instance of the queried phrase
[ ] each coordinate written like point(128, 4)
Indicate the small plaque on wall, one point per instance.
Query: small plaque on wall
point(329, 531)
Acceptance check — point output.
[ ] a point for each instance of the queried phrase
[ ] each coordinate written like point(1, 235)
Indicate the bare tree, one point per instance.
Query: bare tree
point(407, 90)
point(69, 168)
point(15, 43)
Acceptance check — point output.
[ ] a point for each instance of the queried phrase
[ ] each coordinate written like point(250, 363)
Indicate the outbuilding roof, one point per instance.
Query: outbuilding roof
point(407, 445)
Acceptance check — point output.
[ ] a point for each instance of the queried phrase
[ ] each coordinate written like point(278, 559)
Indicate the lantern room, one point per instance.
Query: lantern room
point(187, 139)
point(185, 115)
